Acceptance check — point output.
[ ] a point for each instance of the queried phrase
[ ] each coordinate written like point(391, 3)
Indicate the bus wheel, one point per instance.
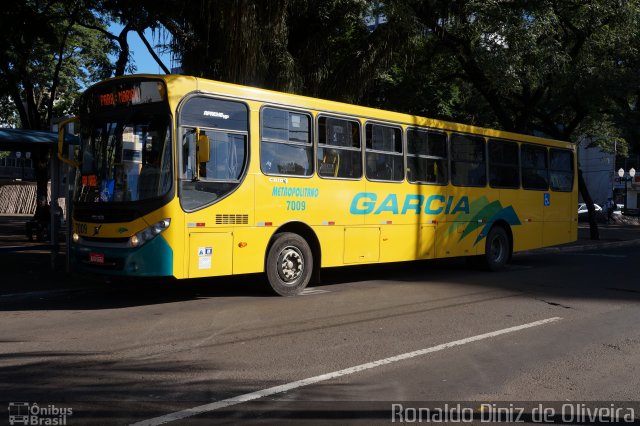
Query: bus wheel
point(289, 264)
point(497, 249)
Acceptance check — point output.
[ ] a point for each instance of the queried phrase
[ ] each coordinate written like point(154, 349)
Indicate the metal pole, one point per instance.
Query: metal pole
point(625, 194)
point(613, 176)
point(53, 226)
point(68, 203)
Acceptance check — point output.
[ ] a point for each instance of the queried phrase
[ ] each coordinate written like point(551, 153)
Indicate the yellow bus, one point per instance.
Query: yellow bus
point(185, 177)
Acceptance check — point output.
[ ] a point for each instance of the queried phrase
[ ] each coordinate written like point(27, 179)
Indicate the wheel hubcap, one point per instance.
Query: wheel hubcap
point(497, 249)
point(290, 264)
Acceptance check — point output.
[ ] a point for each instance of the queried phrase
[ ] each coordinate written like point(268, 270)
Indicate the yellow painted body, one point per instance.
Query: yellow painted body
point(239, 227)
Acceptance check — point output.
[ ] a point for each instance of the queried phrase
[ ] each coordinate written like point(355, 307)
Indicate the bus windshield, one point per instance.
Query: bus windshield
point(125, 157)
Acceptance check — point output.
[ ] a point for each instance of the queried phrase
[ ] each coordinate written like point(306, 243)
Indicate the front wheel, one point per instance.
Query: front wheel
point(289, 264)
point(497, 249)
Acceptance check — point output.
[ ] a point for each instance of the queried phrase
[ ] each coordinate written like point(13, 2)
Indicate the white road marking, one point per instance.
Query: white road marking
point(309, 291)
point(599, 254)
point(190, 412)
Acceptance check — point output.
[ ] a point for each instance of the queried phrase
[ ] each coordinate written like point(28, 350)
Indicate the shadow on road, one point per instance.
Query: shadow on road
point(546, 277)
point(29, 283)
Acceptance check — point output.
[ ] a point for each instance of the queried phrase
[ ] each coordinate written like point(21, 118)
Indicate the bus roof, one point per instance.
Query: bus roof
point(187, 84)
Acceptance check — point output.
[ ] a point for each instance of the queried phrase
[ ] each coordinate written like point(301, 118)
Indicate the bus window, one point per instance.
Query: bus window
point(339, 152)
point(225, 123)
point(534, 167)
point(226, 156)
point(426, 156)
point(384, 153)
point(125, 158)
point(286, 147)
point(561, 170)
point(468, 162)
point(504, 170)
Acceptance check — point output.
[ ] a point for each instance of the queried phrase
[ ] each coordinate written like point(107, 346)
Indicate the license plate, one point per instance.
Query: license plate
point(96, 258)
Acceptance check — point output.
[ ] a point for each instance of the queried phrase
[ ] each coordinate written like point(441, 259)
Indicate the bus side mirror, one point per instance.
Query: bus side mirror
point(202, 147)
point(66, 140)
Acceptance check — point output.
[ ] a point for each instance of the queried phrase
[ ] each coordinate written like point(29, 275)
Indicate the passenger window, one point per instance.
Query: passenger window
point(226, 156)
point(339, 151)
point(426, 156)
point(534, 167)
point(468, 162)
point(225, 123)
point(561, 170)
point(504, 170)
point(384, 153)
point(286, 147)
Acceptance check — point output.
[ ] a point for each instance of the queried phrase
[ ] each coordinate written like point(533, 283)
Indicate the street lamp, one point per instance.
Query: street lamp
point(632, 173)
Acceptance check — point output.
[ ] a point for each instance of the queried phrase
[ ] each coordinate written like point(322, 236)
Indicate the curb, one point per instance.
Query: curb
point(44, 293)
point(582, 247)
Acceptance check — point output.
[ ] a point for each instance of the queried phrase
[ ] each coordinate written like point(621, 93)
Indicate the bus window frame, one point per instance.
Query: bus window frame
point(573, 168)
point(446, 149)
point(312, 135)
point(486, 158)
point(535, 145)
point(518, 165)
point(376, 151)
point(318, 145)
point(178, 139)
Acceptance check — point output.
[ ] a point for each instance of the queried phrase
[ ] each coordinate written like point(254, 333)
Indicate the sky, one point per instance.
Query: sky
point(144, 62)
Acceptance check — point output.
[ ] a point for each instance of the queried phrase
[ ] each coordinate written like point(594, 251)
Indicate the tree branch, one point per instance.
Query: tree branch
point(110, 36)
point(56, 73)
point(152, 52)
point(123, 57)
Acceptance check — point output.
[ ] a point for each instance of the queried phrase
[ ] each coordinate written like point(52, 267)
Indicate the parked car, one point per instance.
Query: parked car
point(583, 213)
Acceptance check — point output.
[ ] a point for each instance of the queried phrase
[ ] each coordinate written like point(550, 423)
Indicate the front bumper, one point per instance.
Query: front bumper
point(153, 259)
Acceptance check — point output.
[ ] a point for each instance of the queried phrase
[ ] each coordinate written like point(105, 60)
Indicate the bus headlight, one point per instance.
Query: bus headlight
point(75, 237)
point(149, 233)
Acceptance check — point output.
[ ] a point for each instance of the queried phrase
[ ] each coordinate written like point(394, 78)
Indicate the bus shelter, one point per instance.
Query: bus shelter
point(31, 140)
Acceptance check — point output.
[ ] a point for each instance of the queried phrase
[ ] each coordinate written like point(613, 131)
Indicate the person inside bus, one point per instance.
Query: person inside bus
point(149, 176)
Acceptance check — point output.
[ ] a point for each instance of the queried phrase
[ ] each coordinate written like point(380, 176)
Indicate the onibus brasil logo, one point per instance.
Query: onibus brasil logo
point(24, 413)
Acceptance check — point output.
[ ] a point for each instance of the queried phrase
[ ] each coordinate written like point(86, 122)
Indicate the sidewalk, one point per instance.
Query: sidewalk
point(26, 266)
point(614, 235)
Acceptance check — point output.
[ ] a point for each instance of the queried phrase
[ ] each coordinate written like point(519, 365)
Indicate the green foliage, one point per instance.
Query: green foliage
point(564, 69)
point(311, 47)
point(47, 59)
point(603, 133)
point(568, 69)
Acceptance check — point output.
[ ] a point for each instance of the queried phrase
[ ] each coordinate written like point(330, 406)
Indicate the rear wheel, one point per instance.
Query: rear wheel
point(497, 249)
point(289, 264)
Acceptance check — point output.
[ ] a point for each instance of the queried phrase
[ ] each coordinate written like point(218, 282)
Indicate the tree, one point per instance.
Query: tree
point(45, 60)
point(134, 17)
point(310, 47)
point(564, 69)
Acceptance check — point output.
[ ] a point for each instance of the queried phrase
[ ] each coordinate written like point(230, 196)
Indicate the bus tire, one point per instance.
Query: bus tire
point(497, 249)
point(289, 264)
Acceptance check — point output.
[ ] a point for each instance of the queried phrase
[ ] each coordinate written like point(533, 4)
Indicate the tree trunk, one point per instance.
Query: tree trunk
point(584, 191)
point(123, 56)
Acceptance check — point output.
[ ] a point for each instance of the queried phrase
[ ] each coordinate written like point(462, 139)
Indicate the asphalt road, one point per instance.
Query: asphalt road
point(554, 328)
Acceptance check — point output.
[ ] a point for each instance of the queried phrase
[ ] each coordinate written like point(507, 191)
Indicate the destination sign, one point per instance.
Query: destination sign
point(123, 93)
point(124, 96)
